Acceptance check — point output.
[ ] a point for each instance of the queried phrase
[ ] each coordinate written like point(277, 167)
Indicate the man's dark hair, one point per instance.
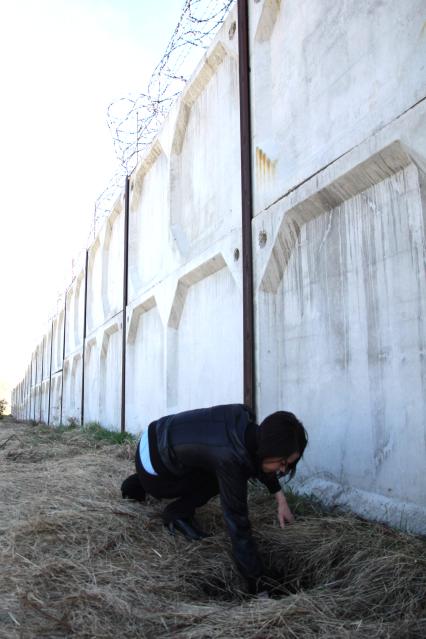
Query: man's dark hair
point(280, 435)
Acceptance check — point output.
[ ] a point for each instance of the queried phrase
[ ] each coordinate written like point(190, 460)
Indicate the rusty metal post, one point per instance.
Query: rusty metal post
point(26, 395)
point(31, 387)
point(63, 354)
point(125, 297)
point(41, 378)
point(247, 202)
point(50, 374)
point(83, 354)
point(35, 386)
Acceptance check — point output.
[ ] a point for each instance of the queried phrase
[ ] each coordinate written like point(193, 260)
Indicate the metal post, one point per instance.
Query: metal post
point(50, 374)
point(247, 202)
point(63, 353)
point(125, 295)
point(35, 384)
point(83, 355)
point(31, 386)
point(29, 393)
point(42, 373)
point(24, 408)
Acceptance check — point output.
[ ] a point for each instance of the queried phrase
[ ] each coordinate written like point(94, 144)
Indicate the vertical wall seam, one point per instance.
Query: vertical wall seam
point(246, 202)
point(42, 373)
point(50, 374)
point(125, 299)
point(31, 388)
point(63, 353)
point(35, 386)
point(83, 354)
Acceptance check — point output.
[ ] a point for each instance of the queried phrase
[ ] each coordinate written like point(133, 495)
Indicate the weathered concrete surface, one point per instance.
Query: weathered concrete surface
point(341, 310)
point(326, 76)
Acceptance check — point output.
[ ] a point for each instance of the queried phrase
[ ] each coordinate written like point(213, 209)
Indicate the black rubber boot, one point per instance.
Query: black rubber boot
point(187, 528)
point(131, 488)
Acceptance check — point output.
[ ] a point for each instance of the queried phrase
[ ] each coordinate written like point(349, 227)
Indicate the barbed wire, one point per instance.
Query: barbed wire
point(134, 121)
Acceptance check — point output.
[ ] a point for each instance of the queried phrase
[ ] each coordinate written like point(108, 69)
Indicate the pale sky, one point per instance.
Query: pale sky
point(62, 63)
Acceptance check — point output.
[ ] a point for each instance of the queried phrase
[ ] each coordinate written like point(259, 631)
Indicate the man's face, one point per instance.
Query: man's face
point(278, 464)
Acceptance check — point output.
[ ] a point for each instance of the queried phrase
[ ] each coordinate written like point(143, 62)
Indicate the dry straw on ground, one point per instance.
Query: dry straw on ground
point(78, 561)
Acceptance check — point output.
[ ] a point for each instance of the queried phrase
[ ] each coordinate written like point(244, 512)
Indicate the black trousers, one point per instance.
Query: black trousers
point(192, 490)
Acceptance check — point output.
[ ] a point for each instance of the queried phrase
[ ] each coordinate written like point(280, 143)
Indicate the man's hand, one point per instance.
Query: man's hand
point(284, 512)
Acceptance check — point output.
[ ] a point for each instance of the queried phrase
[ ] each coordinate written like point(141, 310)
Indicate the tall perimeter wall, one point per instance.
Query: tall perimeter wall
point(339, 164)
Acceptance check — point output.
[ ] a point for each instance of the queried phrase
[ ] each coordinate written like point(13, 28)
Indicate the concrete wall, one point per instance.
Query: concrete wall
point(339, 162)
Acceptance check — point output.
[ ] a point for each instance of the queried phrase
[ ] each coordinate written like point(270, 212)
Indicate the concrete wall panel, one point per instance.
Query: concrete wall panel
point(75, 390)
point(110, 378)
point(341, 328)
point(66, 391)
point(95, 313)
point(205, 154)
point(69, 324)
point(58, 343)
point(44, 401)
point(78, 311)
point(91, 385)
point(112, 255)
point(145, 381)
point(55, 399)
point(46, 361)
point(148, 219)
point(326, 75)
point(205, 342)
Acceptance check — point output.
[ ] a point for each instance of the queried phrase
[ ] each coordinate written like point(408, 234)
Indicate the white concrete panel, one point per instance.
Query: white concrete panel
point(54, 346)
point(39, 360)
point(55, 399)
point(341, 341)
point(58, 343)
point(112, 280)
point(205, 193)
point(205, 350)
point(110, 379)
point(145, 389)
point(78, 311)
point(69, 324)
point(91, 383)
point(95, 314)
point(44, 401)
point(36, 404)
point(42, 357)
point(147, 224)
point(75, 389)
point(66, 391)
point(326, 75)
point(46, 361)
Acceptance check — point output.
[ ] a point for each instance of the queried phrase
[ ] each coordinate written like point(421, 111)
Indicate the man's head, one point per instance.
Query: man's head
point(282, 441)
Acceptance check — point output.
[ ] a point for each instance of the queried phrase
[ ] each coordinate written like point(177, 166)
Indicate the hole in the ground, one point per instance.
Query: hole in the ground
point(280, 580)
point(217, 588)
point(288, 570)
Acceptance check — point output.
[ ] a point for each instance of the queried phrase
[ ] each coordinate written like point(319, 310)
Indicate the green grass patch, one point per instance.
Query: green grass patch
point(93, 430)
point(99, 433)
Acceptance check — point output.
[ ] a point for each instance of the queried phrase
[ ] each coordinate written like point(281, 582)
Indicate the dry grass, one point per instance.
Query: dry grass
point(77, 560)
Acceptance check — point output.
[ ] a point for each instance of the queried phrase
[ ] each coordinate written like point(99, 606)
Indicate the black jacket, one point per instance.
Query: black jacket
point(221, 440)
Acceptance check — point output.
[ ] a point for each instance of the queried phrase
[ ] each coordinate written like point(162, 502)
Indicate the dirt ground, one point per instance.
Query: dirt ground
point(78, 561)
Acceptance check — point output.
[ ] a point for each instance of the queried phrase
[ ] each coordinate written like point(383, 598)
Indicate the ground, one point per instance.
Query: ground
point(78, 561)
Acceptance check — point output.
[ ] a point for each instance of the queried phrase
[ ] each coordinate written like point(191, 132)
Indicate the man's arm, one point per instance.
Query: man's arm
point(233, 496)
point(271, 482)
point(284, 512)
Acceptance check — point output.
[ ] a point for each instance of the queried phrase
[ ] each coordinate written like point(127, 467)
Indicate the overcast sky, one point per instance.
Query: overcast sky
point(62, 63)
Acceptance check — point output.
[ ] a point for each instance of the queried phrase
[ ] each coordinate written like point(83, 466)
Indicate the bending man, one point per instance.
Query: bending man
point(195, 455)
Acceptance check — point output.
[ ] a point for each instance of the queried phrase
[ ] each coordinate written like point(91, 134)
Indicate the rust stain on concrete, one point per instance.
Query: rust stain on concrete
point(265, 167)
